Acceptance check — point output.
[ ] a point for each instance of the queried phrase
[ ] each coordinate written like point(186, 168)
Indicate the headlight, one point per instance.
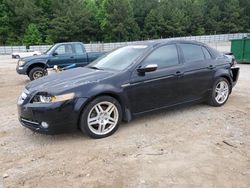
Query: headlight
point(21, 63)
point(46, 98)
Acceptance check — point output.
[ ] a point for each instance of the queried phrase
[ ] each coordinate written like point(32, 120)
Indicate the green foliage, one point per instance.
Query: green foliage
point(117, 22)
point(4, 22)
point(32, 36)
point(154, 25)
point(51, 21)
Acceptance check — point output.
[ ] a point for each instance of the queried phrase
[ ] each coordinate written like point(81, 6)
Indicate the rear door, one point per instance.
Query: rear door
point(198, 71)
point(159, 88)
point(80, 55)
point(63, 56)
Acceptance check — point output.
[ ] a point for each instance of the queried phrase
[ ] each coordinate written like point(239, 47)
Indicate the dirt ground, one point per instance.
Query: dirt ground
point(195, 146)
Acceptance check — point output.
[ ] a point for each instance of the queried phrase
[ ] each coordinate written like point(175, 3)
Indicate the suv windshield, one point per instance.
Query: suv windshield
point(49, 50)
point(119, 59)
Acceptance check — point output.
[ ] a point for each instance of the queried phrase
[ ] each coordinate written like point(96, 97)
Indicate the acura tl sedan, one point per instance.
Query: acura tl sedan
point(124, 83)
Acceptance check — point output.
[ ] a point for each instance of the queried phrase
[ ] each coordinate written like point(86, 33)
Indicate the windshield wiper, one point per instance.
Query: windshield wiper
point(96, 68)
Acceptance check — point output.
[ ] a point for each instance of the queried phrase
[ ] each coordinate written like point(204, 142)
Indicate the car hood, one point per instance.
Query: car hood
point(31, 58)
point(66, 80)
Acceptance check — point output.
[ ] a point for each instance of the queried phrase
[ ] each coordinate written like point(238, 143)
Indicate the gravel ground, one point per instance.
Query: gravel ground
point(195, 146)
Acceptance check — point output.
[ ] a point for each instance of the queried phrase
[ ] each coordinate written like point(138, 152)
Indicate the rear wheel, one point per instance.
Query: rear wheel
point(220, 93)
point(37, 72)
point(101, 117)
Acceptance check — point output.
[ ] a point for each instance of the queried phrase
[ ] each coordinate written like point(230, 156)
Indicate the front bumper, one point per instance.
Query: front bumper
point(21, 70)
point(61, 117)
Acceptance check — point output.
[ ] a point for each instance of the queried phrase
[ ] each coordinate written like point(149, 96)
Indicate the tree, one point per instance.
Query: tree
point(195, 18)
point(120, 20)
point(141, 8)
point(4, 22)
point(231, 16)
point(245, 5)
point(32, 36)
point(117, 21)
point(175, 17)
point(72, 22)
point(23, 12)
point(213, 16)
point(154, 25)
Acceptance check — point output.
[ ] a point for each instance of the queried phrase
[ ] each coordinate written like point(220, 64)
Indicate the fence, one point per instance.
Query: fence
point(214, 39)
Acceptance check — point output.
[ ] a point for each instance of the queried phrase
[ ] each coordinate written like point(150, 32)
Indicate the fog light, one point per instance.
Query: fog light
point(45, 125)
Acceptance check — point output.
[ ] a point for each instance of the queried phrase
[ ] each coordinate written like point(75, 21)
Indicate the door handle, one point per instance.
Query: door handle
point(179, 74)
point(211, 67)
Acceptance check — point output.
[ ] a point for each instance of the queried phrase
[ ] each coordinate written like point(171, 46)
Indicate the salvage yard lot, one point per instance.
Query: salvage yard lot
point(194, 146)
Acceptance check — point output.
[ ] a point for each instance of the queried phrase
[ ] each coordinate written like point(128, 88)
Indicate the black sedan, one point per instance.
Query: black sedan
point(127, 82)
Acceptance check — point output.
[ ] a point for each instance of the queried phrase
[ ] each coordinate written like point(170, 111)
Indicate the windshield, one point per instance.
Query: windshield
point(49, 50)
point(119, 59)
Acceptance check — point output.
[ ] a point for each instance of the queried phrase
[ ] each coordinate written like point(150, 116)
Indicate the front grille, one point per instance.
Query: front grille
point(29, 123)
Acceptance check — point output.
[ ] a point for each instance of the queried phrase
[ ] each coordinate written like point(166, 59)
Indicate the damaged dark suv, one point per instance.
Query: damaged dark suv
point(124, 83)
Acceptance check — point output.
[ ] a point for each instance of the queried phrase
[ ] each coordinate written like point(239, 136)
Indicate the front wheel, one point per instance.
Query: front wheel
point(220, 92)
point(101, 117)
point(36, 72)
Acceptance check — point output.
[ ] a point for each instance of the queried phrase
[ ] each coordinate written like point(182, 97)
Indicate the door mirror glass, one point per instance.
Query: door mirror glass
point(147, 68)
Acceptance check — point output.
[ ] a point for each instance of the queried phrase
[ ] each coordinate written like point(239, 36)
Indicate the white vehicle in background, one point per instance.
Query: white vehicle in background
point(18, 55)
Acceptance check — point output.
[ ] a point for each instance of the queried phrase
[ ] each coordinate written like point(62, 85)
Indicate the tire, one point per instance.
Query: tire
point(214, 96)
point(100, 126)
point(36, 72)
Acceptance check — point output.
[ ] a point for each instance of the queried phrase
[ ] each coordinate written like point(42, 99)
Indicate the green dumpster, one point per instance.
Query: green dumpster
point(241, 49)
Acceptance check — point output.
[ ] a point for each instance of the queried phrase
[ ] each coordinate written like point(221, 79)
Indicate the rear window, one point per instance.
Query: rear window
point(192, 52)
point(79, 49)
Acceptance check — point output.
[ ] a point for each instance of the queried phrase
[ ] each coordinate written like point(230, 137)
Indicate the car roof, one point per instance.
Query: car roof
point(168, 41)
point(153, 43)
point(68, 43)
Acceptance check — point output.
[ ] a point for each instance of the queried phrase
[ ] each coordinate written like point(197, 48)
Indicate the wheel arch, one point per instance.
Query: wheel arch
point(224, 73)
point(227, 77)
point(126, 113)
point(39, 64)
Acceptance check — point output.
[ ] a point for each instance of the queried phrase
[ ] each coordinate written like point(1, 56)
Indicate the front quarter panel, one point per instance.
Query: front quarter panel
point(111, 86)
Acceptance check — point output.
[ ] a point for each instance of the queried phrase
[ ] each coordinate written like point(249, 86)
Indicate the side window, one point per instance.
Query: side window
point(206, 53)
point(64, 49)
point(164, 56)
point(79, 49)
point(192, 52)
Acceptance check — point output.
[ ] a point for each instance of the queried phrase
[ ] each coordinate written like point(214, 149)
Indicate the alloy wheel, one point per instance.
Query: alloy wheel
point(103, 118)
point(221, 92)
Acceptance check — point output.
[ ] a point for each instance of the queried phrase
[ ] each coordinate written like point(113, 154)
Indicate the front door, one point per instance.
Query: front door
point(62, 56)
point(159, 88)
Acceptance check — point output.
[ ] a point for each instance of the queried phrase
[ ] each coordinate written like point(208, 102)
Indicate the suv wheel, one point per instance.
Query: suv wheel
point(36, 73)
point(101, 117)
point(220, 92)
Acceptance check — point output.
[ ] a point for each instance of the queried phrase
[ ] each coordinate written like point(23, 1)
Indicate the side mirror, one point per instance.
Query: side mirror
point(54, 54)
point(147, 68)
